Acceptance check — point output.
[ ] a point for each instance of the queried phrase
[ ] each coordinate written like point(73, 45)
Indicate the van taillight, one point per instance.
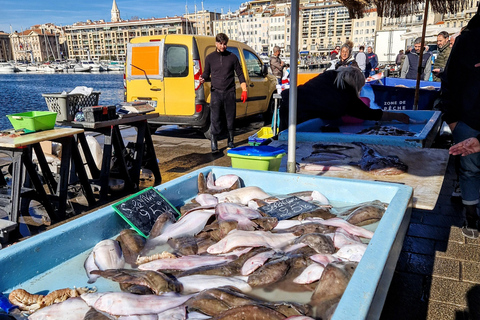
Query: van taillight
point(124, 81)
point(197, 72)
point(198, 108)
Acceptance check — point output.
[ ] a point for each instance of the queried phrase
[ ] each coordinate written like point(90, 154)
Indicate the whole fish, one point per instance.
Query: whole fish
point(242, 195)
point(186, 262)
point(240, 238)
point(250, 312)
point(318, 242)
point(243, 215)
point(124, 304)
point(325, 156)
point(330, 288)
point(131, 244)
point(311, 274)
point(351, 252)
point(324, 258)
point(350, 228)
point(376, 164)
point(73, 309)
point(163, 221)
point(156, 281)
point(205, 199)
point(184, 246)
point(343, 238)
point(223, 184)
point(271, 272)
point(256, 262)
point(366, 214)
point(197, 282)
point(106, 254)
point(188, 225)
point(330, 147)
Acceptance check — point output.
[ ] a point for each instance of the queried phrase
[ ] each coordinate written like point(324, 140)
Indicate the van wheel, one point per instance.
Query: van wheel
point(206, 132)
point(153, 127)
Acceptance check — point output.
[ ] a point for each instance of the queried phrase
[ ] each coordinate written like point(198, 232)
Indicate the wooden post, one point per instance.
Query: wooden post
point(420, 58)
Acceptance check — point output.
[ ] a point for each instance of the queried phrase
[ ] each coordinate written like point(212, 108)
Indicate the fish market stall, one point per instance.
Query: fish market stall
point(419, 133)
point(399, 94)
point(55, 259)
point(425, 173)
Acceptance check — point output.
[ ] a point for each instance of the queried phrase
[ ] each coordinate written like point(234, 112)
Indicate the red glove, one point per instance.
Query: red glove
point(244, 96)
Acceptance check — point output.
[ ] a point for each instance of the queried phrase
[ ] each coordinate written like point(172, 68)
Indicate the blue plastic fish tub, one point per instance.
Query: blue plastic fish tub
point(384, 94)
point(54, 259)
point(427, 126)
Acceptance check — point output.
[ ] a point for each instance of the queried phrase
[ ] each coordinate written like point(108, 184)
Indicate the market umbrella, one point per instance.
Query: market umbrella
point(398, 8)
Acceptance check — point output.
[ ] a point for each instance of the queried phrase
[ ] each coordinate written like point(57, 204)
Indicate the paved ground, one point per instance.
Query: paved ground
point(438, 272)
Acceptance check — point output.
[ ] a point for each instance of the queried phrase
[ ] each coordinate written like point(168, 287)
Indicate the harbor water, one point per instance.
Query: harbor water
point(22, 92)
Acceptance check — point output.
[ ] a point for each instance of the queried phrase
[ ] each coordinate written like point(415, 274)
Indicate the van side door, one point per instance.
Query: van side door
point(179, 84)
point(257, 83)
point(144, 73)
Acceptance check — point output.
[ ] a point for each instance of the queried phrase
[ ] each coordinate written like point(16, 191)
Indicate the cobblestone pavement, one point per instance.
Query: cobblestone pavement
point(438, 272)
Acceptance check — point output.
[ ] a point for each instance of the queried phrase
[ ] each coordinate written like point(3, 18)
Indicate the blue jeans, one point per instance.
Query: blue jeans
point(469, 173)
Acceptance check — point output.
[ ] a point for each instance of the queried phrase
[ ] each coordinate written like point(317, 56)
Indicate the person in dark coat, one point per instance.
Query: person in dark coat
point(460, 101)
point(410, 64)
point(220, 68)
point(331, 95)
point(372, 62)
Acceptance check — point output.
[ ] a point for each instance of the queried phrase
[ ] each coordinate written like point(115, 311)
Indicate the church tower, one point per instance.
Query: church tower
point(115, 12)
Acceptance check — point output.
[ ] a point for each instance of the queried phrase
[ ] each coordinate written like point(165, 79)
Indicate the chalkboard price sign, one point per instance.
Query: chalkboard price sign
point(288, 208)
point(142, 209)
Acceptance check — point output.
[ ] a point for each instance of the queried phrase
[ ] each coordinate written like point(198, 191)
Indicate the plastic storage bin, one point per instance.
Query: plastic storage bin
point(264, 158)
point(66, 105)
point(99, 113)
point(70, 242)
point(260, 136)
point(33, 120)
point(385, 94)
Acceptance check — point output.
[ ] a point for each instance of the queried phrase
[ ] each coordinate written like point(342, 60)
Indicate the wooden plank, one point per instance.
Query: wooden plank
point(426, 168)
point(31, 138)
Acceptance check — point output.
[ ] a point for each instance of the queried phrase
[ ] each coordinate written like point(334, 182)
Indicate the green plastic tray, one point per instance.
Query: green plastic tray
point(33, 121)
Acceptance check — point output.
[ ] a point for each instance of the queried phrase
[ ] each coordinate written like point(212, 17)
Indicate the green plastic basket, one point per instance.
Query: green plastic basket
point(33, 121)
point(255, 162)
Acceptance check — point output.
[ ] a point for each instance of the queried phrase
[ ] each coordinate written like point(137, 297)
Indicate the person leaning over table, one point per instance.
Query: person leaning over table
point(331, 95)
point(220, 68)
point(460, 104)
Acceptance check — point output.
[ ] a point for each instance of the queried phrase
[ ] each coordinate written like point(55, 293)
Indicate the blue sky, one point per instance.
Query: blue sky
point(23, 14)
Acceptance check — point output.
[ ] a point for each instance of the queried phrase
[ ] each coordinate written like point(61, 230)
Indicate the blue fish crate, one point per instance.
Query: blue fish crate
point(425, 125)
point(399, 94)
point(54, 259)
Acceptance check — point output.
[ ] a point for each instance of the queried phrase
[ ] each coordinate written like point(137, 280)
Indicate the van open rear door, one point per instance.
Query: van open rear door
point(145, 74)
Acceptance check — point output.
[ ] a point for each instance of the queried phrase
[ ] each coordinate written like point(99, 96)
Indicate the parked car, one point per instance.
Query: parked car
point(164, 71)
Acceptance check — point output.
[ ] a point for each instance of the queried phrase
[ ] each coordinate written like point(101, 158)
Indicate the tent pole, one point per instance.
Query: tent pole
point(420, 58)
point(292, 100)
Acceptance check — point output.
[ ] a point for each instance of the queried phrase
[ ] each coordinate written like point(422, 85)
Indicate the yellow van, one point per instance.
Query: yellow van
point(164, 71)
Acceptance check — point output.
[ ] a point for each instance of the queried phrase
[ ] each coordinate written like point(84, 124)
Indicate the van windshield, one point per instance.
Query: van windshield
point(176, 61)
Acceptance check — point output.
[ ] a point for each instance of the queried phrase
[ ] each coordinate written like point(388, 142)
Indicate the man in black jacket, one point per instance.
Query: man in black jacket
point(220, 68)
point(460, 101)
